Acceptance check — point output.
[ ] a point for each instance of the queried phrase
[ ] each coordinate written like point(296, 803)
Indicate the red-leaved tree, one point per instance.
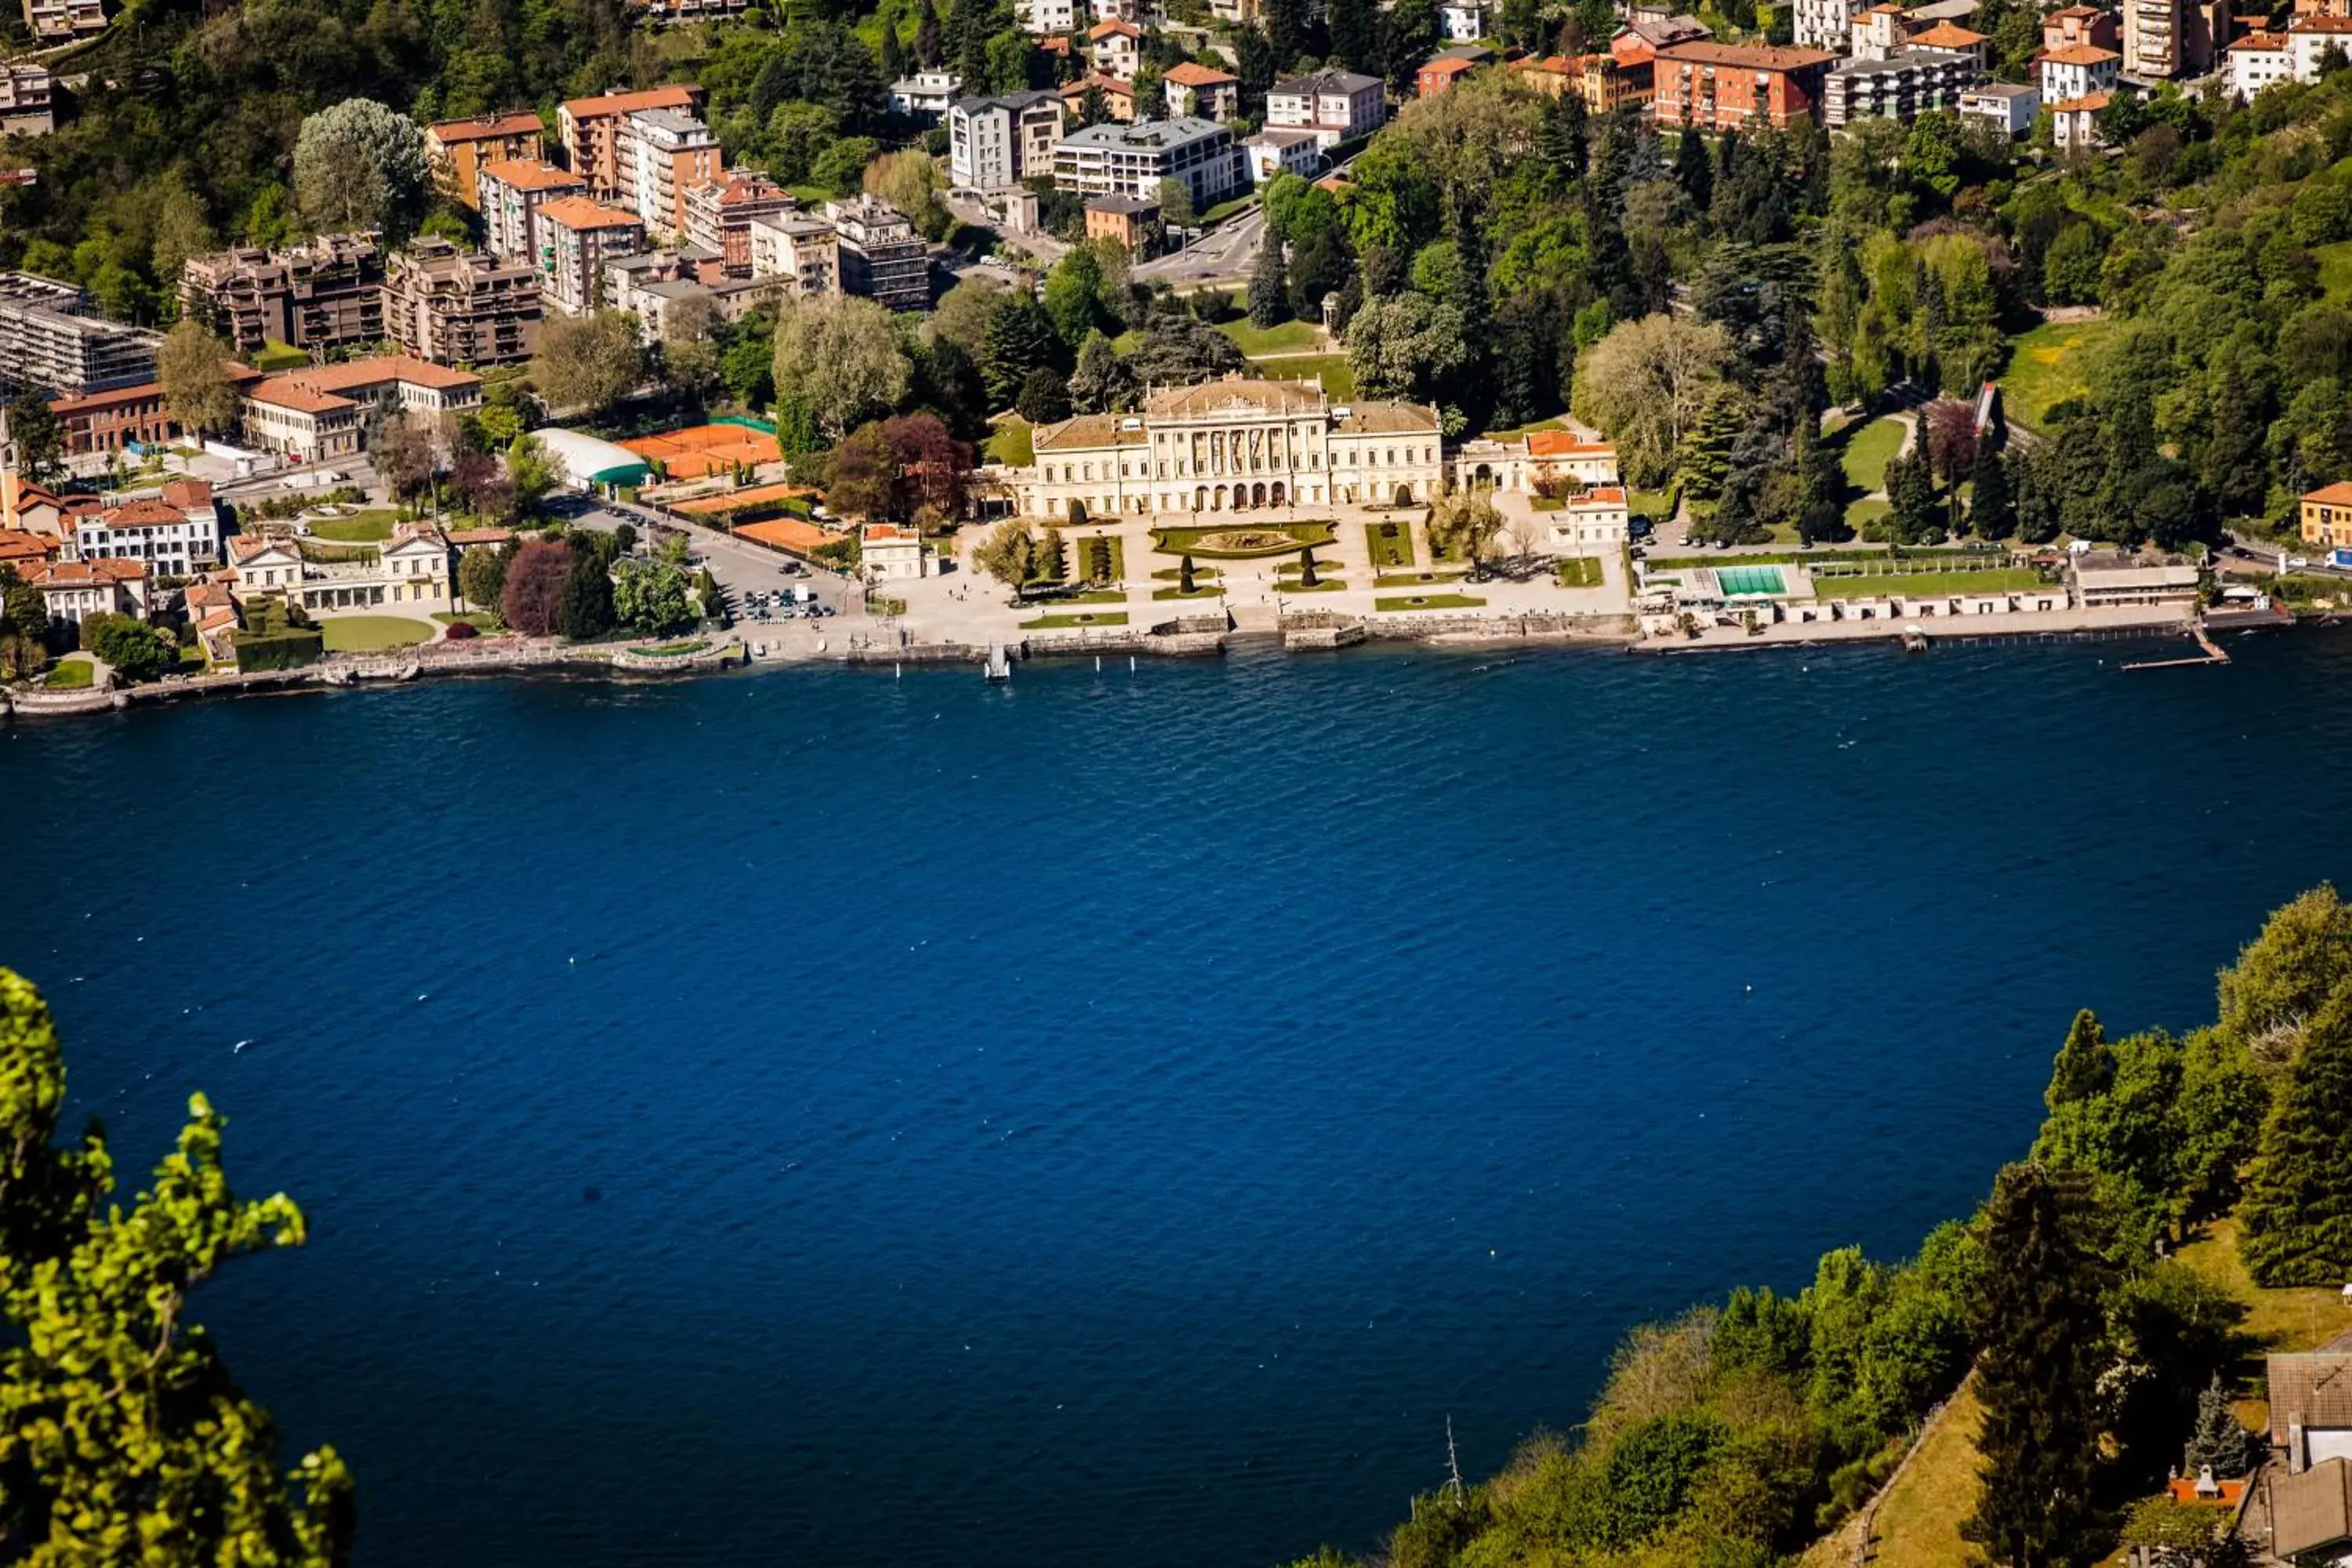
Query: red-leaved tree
point(533, 599)
point(933, 467)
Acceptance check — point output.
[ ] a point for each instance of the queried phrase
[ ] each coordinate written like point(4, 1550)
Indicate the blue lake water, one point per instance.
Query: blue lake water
point(813, 1118)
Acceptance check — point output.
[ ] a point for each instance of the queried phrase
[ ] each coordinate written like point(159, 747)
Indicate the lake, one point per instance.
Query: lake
point(814, 1117)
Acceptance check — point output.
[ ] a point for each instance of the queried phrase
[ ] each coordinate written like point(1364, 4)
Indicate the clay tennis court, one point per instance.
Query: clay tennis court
point(702, 450)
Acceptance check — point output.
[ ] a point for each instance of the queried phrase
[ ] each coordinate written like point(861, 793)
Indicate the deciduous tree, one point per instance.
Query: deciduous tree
point(588, 362)
point(192, 366)
point(1007, 555)
point(361, 165)
point(531, 598)
point(839, 356)
point(1645, 383)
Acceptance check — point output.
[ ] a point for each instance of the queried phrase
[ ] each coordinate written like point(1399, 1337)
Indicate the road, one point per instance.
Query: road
point(1226, 256)
point(967, 207)
point(737, 567)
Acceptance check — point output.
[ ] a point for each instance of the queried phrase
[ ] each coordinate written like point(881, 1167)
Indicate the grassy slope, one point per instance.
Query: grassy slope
point(1867, 451)
point(1286, 337)
point(1010, 444)
point(370, 634)
point(1338, 380)
point(2046, 368)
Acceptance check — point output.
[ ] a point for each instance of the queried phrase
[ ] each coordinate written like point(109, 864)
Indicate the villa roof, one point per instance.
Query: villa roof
point(245, 547)
point(1234, 392)
point(375, 372)
point(1386, 419)
point(1448, 65)
point(2271, 43)
point(1601, 496)
point(532, 174)
point(141, 514)
point(2337, 494)
point(287, 392)
point(17, 546)
point(1113, 27)
point(1564, 443)
point(1088, 430)
point(2089, 103)
point(2320, 25)
point(1192, 73)
point(2081, 55)
point(206, 596)
point(1748, 57)
point(106, 570)
point(888, 534)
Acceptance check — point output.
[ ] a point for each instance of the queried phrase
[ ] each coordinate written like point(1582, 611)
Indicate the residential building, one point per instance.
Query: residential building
point(322, 293)
point(2257, 60)
point(1132, 160)
point(718, 215)
point(27, 99)
point(62, 21)
point(1595, 522)
point(1116, 11)
point(2074, 122)
point(2010, 107)
point(801, 250)
point(2104, 577)
point(413, 573)
point(1911, 83)
point(1822, 23)
point(1878, 32)
point(173, 534)
point(1664, 32)
point(461, 307)
point(1195, 91)
point(48, 339)
point(1337, 105)
point(997, 142)
point(2173, 37)
point(591, 131)
point(2327, 518)
point(2310, 1513)
point(1272, 153)
point(1115, 48)
point(1439, 75)
point(2308, 39)
point(115, 421)
point(1045, 18)
point(892, 553)
point(1732, 86)
point(458, 148)
point(1954, 37)
point(1462, 21)
point(1570, 454)
point(2077, 72)
point(676, 12)
point(2310, 1392)
point(321, 412)
point(665, 153)
point(924, 95)
point(576, 237)
point(1236, 445)
point(1116, 96)
point(509, 192)
point(1551, 75)
point(74, 589)
point(1133, 221)
point(1624, 75)
point(882, 254)
point(2081, 26)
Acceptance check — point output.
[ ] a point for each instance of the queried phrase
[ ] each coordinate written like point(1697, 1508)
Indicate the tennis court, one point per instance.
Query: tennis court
point(703, 450)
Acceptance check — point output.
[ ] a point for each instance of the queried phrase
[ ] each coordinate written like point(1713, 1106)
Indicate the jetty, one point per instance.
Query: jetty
point(2211, 654)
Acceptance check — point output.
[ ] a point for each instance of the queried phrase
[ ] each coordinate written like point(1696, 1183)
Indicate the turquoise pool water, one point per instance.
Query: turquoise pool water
point(1750, 579)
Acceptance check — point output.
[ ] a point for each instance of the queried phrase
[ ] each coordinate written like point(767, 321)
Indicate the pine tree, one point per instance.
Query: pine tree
point(1821, 483)
point(2220, 1441)
point(1350, 23)
point(2295, 1223)
point(1911, 498)
point(1692, 171)
point(2042, 1326)
point(1020, 338)
point(1285, 30)
point(893, 58)
point(1992, 510)
point(1559, 137)
point(2085, 1066)
point(1269, 289)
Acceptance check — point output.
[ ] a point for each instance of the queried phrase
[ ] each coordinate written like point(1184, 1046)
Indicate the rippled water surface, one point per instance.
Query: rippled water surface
point(813, 1118)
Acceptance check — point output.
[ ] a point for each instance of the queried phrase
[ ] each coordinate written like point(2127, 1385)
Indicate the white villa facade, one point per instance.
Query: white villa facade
point(1236, 445)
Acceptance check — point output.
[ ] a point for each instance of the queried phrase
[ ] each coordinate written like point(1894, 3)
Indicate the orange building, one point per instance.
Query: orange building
point(1733, 87)
point(1440, 75)
point(591, 129)
point(2081, 26)
point(458, 148)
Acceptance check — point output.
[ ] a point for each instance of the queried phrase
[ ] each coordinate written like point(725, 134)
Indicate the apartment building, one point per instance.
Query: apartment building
point(2309, 38)
point(1045, 18)
point(174, 533)
point(1822, 23)
point(2077, 72)
point(665, 153)
point(1115, 47)
point(1116, 98)
point(509, 192)
point(323, 294)
point(926, 94)
point(1900, 87)
point(461, 307)
point(1272, 153)
point(2257, 60)
point(576, 237)
point(27, 99)
point(882, 256)
point(2005, 105)
point(994, 143)
point(591, 130)
point(800, 251)
point(1734, 87)
point(1132, 160)
point(1338, 105)
point(2173, 37)
point(1195, 90)
point(456, 149)
point(720, 214)
point(2081, 26)
point(50, 340)
point(62, 21)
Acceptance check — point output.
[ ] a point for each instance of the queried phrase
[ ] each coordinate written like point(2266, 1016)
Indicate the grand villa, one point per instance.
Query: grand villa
point(1236, 445)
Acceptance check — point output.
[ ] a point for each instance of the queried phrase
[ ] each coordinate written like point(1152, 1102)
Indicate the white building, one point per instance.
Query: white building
point(2309, 39)
point(994, 143)
point(2074, 124)
point(321, 412)
point(1338, 105)
point(1045, 18)
point(1116, 49)
point(1132, 160)
point(1589, 523)
point(411, 574)
point(924, 95)
point(2257, 60)
point(2077, 72)
point(2007, 106)
point(174, 534)
point(1236, 445)
point(71, 590)
point(1462, 21)
point(1824, 25)
point(804, 250)
point(891, 553)
point(1272, 153)
point(1193, 89)
point(1902, 86)
point(27, 99)
point(665, 153)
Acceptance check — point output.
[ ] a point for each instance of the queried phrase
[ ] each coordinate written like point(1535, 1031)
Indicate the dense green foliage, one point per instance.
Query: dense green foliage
point(123, 1436)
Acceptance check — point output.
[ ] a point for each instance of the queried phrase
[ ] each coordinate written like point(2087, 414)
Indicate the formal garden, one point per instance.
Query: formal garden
point(1246, 543)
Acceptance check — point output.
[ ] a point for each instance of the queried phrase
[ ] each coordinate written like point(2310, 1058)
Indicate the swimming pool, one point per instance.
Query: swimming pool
point(1749, 579)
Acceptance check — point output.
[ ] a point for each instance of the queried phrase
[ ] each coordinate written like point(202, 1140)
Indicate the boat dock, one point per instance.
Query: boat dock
point(2211, 655)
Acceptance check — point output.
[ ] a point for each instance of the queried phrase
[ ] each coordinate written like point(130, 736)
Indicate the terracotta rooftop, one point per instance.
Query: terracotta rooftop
point(1450, 66)
point(122, 397)
point(2089, 103)
point(2271, 42)
point(616, 103)
point(2081, 55)
point(142, 514)
point(1113, 27)
point(1088, 430)
point(286, 391)
point(89, 574)
point(1766, 58)
point(532, 174)
point(484, 129)
point(2337, 494)
point(580, 212)
point(185, 492)
point(1947, 36)
point(1563, 444)
point(1192, 73)
point(375, 372)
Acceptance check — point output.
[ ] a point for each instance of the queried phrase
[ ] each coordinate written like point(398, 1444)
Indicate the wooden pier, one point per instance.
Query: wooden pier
point(2212, 653)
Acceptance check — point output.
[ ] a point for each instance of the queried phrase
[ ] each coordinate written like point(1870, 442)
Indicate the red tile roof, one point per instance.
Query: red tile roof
point(2081, 55)
point(580, 212)
point(450, 132)
point(1563, 444)
point(616, 103)
point(384, 368)
point(142, 514)
point(1748, 57)
point(188, 493)
point(2337, 494)
point(532, 174)
point(286, 391)
point(1191, 73)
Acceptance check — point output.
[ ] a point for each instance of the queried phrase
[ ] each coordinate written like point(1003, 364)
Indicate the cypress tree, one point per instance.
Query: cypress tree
point(2295, 1223)
point(1992, 510)
point(2085, 1064)
point(1350, 23)
point(1820, 479)
point(1692, 171)
point(893, 58)
point(2040, 1320)
point(586, 610)
point(1559, 137)
point(1269, 289)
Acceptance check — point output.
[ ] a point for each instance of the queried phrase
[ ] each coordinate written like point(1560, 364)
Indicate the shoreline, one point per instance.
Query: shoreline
point(1304, 633)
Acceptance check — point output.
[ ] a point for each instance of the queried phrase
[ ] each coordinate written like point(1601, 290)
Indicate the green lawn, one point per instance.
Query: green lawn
point(1867, 451)
point(480, 620)
point(1090, 596)
point(1331, 370)
point(1861, 513)
point(1322, 585)
point(1391, 543)
point(276, 356)
point(372, 633)
point(1009, 443)
point(1176, 574)
point(1416, 579)
point(1429, 602)
point(1579, 572)
point(1224, 210)
point(1081, 551)
point(72, 675)
point(194, 659)
point(1286, 337)
point(1199, 591)
point(1292, 536)
point(2045, 368)
point(361, 527)
point(1065, 622)
point(1999, 580)
point(2335, 269)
